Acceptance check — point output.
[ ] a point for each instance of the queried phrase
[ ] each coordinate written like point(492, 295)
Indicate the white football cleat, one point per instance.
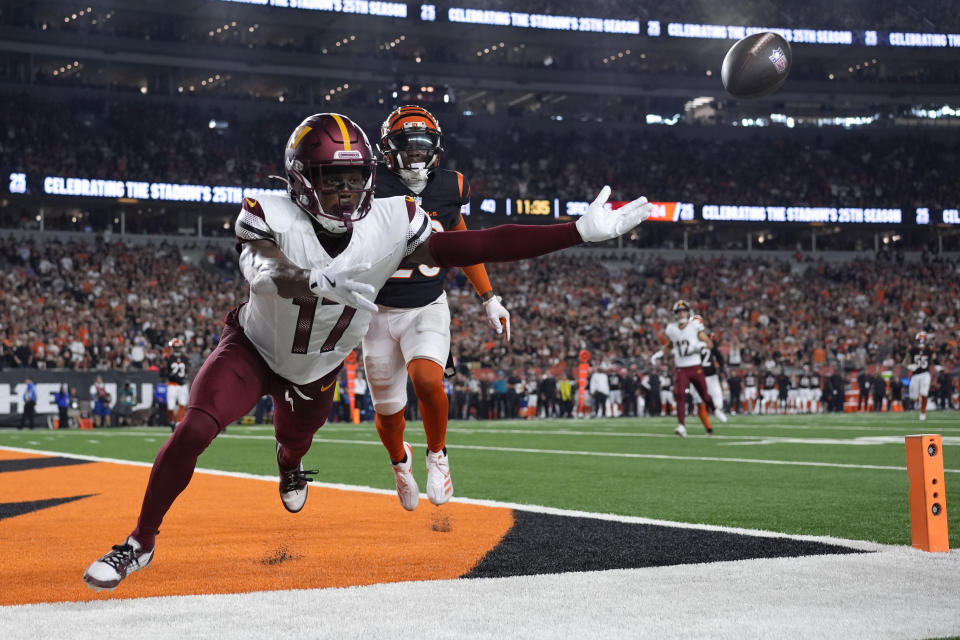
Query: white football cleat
point(293, 484)
point(923, 417)
point(110, 569)
point(439, 485)
point(721, 416)
point(681, 431)
point(407, 490)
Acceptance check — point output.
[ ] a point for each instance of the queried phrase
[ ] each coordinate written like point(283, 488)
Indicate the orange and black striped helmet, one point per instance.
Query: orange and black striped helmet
point(410, 128)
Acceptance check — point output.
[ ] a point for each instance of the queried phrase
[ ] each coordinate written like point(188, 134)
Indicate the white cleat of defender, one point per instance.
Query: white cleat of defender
point(439, 484)
point(112, 568)
point(681, 431)
point(721, 416)
point(407, 490)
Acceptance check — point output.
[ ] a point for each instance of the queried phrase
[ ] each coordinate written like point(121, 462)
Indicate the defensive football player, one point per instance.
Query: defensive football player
point(918, 361)
point(178, 395)
point(712, 361)
point(410, 333)
point(315, 260)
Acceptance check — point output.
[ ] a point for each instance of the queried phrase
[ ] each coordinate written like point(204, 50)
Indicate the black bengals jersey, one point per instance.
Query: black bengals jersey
point(922, 357)
point(804, 381)
point(415, 285)
point(769, 381)
point(814, 381)
point(177, 369)
point(712, 360)
point(749, 380)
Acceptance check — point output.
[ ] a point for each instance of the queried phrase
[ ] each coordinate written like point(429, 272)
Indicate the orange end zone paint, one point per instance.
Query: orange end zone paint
point(928, 498)
point(228, 535)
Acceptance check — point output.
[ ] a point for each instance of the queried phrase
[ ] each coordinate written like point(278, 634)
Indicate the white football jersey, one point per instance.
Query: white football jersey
point(303, 339)
point(686, 342)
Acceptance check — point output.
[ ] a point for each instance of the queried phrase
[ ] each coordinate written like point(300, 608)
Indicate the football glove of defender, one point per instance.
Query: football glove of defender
point(336, 282)
point(497, 312)
point(598, 224)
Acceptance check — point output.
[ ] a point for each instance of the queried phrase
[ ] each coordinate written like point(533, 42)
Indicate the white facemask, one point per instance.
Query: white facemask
point(415, 178)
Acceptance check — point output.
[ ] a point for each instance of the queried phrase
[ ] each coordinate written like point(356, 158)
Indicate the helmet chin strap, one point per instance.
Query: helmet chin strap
point(331, 226)
point(415, 177)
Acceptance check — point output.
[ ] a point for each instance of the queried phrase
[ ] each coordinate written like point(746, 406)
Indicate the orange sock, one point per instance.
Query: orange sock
point(390, 429)
point(704, 416)
point(923, 404)
point(180, 411)
point(427, 378)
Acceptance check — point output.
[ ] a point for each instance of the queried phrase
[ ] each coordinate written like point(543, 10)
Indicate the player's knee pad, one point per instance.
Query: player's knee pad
point(389, 408)
point(387, 381)
point(195, 432)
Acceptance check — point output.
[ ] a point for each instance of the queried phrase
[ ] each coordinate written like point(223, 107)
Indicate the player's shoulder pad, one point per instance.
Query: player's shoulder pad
point(278, 211)
point(463, 187)
point(455, 182)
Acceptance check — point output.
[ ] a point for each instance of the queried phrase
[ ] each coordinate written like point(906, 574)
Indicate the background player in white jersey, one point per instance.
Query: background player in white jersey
point(410, 334)
point(315, 261)
point(919, 360)
point(686, 336)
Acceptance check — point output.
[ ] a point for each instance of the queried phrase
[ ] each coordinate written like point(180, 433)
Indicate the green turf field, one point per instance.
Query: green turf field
point(837, 475)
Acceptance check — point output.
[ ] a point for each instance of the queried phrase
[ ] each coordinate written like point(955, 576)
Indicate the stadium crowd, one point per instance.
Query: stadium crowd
point(99, 305)
point(106, 305)
point(114, 140)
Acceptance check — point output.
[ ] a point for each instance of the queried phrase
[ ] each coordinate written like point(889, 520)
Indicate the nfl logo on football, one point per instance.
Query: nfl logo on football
point(779, 60)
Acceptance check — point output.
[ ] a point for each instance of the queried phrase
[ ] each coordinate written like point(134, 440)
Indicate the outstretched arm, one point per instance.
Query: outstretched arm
point(511, 242)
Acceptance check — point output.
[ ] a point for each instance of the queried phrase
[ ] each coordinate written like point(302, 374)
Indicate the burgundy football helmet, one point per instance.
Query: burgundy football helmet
point(316, 154)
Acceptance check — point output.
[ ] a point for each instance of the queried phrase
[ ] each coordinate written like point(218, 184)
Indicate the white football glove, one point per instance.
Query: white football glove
point(598, 224)
point(497, 312)
point(656, 357)
point(336, 282)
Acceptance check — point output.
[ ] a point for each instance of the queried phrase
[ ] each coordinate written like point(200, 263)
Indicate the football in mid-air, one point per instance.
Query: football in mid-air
point(756, 65)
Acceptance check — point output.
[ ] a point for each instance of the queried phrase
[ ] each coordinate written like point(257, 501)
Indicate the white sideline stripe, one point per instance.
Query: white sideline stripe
point(601, 454)
point(864, 545)
point(900, 593)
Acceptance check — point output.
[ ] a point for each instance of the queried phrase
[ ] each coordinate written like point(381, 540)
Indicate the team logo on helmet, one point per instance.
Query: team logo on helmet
point(681, 305)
